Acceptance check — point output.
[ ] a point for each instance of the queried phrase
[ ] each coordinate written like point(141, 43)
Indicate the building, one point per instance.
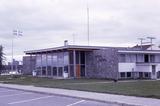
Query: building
point(29, 64)
point(72, 61)
point(17, 67)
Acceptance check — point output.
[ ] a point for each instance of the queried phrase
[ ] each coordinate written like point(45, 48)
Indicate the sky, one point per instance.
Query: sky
point(47, 23)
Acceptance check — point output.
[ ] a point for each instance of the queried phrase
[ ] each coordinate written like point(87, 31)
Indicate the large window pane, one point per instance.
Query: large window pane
point(49, 71)
point(122, 58)
point(82, 57)
point(38, 70)
point(71, 57)
point(60, 71)
point(140, 58)
point(49, 59)
point(38, 61)
point(66, 69)
point(66, 58)
point(54, 59)
point(152, 58)
point(71, 71)
point(60, 59)
point(77, 57)
point(82, 70)
point(44, 58)
point(43, 70)
point(54, 71)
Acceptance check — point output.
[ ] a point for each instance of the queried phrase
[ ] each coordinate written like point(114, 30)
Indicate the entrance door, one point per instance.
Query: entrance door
point(154, 72)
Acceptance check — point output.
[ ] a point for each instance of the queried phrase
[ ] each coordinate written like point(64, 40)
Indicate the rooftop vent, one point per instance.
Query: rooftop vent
point(66, 43)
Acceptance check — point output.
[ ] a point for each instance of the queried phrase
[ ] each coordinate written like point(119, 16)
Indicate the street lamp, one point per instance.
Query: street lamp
point(15, 33)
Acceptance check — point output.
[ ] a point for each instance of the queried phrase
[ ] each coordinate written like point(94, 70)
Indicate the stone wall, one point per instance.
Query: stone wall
point(102, 64)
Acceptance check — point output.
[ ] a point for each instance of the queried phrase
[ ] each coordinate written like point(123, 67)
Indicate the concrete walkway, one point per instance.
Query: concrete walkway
point(120, 99)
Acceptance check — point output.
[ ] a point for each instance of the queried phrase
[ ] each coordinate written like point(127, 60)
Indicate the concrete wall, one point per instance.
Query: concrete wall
point(126, 67)
point(28, 64)
point(102, 64)
point(143, 68)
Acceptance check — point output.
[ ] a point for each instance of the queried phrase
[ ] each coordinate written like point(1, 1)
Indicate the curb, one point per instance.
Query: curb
point(103, 101)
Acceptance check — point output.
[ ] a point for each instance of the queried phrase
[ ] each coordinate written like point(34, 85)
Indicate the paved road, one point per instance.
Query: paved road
point(12, 97)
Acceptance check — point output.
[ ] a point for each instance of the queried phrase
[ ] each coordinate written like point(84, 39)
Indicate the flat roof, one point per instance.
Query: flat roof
point(68, 47)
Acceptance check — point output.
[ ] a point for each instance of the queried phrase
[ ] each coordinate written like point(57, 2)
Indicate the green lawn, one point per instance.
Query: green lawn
point(136, 88)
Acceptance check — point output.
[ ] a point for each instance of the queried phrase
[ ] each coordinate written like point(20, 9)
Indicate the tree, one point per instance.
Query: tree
point(1, 58)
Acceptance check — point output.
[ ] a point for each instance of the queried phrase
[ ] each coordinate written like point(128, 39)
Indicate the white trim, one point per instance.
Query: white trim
point(131, 51)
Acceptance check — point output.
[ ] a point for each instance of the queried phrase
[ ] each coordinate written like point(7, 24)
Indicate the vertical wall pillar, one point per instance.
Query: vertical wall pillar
point(85, 64)
point(69, 72)
point(31, 66)
point(74, 62)
point(41, 65)
point(57, 64)
point(52, 64)
point(46, 64)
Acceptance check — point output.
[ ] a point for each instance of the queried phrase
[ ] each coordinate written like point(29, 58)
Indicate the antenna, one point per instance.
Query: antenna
point(88, 23)
point(151, 40)
point(73, 38)
point(141, 39)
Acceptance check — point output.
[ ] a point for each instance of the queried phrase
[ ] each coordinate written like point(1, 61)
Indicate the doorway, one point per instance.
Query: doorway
point(154, 71)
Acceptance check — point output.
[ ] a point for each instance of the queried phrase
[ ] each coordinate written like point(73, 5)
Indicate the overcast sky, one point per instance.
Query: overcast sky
point(47, 23)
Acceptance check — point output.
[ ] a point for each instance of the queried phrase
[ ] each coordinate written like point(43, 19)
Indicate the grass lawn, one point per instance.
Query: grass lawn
point(135, 88)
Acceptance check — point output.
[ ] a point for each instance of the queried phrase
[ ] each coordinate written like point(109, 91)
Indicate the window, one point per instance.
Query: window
point(54, 71)
point(38, 61)
point(122, 74)
point(128, 74)
point(146, 58)
point(66, 60)
point(82, 70)
point(43, 70)
point(49, 59)
point(140, 57)
point(49, 71)
point(122, 58)
point(54, 57)
point(60, 58)
point(66, 69)
point(77, 57)
point(71, 57)
point(146, 75)
point(152, 58)
point(82, 57)
point(153, 69)
point(140, 74)
point(44, 60)
point(60, 71)
point(38, 70)
point(71, 71)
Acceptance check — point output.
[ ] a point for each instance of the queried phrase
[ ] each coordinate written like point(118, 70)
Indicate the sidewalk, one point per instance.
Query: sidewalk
point(120, 99)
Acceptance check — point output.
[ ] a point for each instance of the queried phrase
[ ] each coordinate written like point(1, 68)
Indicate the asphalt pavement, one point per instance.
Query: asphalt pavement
point(12, 97)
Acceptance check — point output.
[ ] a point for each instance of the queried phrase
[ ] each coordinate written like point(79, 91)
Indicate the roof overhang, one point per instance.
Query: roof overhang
point(64, 48)
point(139, 52)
